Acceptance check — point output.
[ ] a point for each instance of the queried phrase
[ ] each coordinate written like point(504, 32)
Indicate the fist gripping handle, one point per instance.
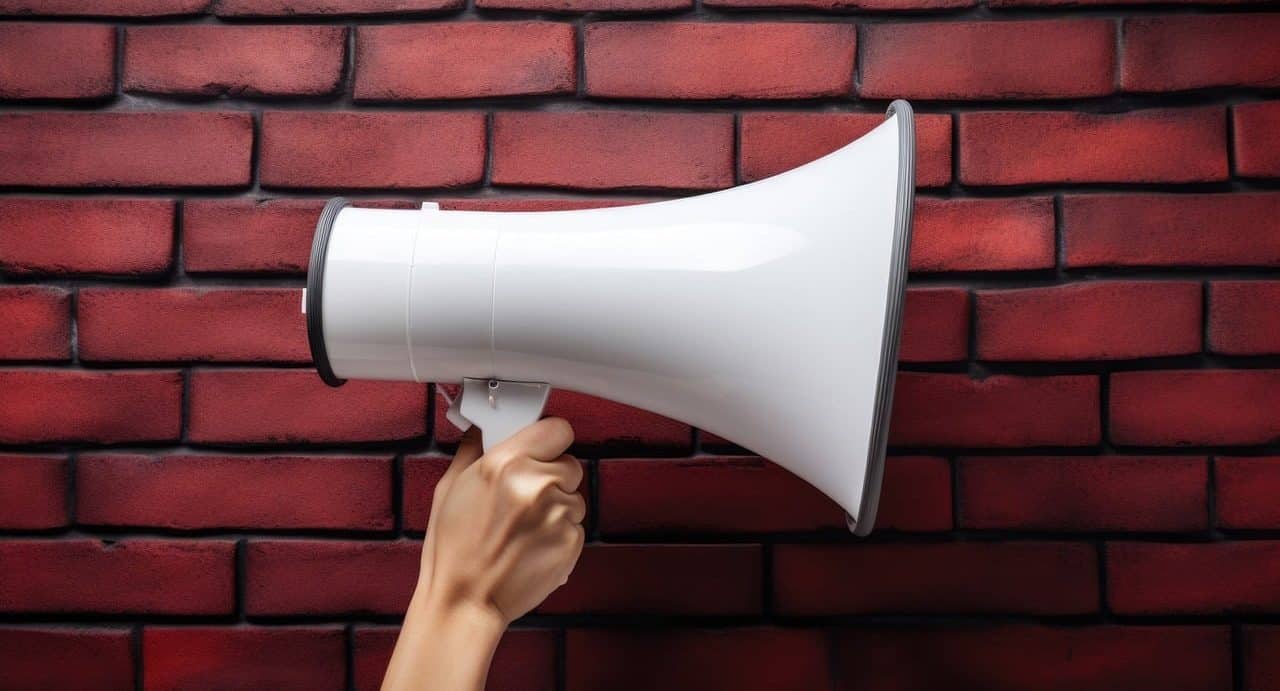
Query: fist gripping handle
point(499, 408)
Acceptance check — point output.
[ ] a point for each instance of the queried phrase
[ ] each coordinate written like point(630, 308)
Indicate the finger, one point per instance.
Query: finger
point(469, 449)
point(560, 504)
point(566, 470)
point(544, 440)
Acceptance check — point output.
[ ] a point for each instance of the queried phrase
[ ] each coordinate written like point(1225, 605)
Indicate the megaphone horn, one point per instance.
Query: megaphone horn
point(768, 314)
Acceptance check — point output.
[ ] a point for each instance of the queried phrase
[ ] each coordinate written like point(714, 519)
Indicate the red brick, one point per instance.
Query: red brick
point(1261, 654)
point(1174, 53)
point(1171, 230)
point(1077, 494)
point(708, 60)
point(1164, 145)
point(35, 659)
point(727, 495)
point(587, 5)
point(952, 577)
point(33, 492)
point(37, 321)
point(638, 579)
point(203, 324)
point(988, 60)
point(282, 406)
point(1246, 491)
point(86, 236)
point(536, 203)
point(1195, 407)
point(287, 657)
point(465, 60)
point(1193, 578)
point(137, 576)
point(775, 142)
point(372, 150)
point(264, 235)
point(211, 60)
point(117, 8)
point(983, 234)
point(45, 405)
point(329, 8)
point(873, 5)
point(1012, 657)
point(613, 149)
point(935, 326)
point(57, 60)
point(999, 411)
point(190, 492)
point(1257, 146)
point(599, 425)
point(324, 577)
point(1097, 320)
point(1244, 317)
point(738, 659)
point(524, 661)
point(126, 149)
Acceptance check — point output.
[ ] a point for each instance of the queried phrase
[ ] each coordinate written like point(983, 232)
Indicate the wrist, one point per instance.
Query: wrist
point(439, 611)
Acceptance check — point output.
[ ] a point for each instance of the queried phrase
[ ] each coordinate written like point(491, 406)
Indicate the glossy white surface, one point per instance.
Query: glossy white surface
point(756, 313)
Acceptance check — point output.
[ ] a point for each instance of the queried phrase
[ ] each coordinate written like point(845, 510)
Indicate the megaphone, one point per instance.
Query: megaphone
point(768, 314)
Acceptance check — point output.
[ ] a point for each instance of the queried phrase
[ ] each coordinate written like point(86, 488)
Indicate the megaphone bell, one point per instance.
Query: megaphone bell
point(768, 314)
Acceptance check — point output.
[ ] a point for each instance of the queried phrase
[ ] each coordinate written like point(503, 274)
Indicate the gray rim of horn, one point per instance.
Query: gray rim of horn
point(879, 445)
point(315, 291)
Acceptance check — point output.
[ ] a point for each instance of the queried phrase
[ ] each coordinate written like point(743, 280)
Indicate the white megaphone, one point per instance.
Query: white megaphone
point(768, 314)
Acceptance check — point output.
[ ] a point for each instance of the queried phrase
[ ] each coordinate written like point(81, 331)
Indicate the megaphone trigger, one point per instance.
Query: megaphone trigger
point(499, 408)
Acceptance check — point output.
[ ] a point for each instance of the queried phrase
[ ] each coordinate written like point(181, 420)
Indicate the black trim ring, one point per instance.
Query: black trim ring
point(315, 290)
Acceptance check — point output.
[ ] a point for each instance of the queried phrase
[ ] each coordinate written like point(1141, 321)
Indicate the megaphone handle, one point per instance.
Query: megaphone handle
point(498, 407)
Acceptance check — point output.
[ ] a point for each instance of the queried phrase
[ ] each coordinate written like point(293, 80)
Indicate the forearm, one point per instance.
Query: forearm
point(443, 646)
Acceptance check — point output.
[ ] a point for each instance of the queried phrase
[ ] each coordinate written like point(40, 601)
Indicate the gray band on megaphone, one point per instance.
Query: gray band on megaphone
point(315, 291)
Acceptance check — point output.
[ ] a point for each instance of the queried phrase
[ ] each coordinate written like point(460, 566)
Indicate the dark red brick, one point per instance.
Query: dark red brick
point(1244, 317)
point(599, 425)
point(778, 659)
point(286, 657)
point(999, 411)
point(57, 60)
point(1246, 491)
point(465, 60)
point(1163, 145)
point(1261, 654)
point(1097, 320)
point(708, 60)
point(524, 661)
point(638, 579)
point(1173, 53)
point(1195, 407)
point(775, 142)
point(535, 203)
point(45, 405)
point(1012, 657)
point(211, 60)
point(86, 236)
point(329, 577)
point(1193, 578)
point(613, 149)
point(37, 323)
point(1256, 144)
point(587, 5)
point(125, 149)
point(33, 492)
point(280, 406)
point(982, 234)
point(1171, 230)
point(1076, 494)
point(329, 8)
point(826, 5)
point(953, 577)
point(988, 60)
point(117, 8)
point(136, 576)
point(421, 474)
point(251, 235)
point(372, 150)
point(190, 492)
point(201, 324)
point(935, 326)
point(38, 659)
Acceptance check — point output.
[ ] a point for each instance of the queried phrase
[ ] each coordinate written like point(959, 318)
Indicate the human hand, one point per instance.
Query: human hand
point(505, 527)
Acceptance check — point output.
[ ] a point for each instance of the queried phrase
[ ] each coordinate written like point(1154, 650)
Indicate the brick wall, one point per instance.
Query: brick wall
point(1082, 494)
